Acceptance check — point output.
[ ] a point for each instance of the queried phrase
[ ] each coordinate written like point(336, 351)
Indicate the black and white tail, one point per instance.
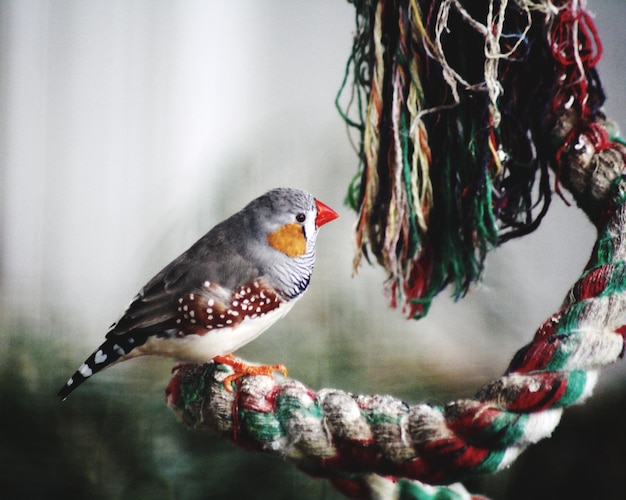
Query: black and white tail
point(115, 348)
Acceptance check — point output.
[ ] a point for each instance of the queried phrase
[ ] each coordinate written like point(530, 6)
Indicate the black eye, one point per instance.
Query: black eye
point(300, 217)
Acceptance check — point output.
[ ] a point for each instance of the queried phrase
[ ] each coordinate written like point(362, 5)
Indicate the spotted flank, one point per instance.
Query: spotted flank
point(199, 313)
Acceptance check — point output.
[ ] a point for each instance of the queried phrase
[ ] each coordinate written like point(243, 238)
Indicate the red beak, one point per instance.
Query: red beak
point(324, 214)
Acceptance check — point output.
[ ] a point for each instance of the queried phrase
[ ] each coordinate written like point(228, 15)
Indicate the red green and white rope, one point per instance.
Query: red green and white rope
point(381, 446)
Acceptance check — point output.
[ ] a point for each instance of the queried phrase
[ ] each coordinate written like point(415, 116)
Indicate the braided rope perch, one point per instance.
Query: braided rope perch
point(366, 444)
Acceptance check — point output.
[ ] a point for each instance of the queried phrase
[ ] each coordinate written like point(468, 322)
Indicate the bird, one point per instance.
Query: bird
point(236, 281)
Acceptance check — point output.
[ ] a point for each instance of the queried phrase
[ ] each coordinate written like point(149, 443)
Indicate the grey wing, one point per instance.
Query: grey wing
point(155, 308)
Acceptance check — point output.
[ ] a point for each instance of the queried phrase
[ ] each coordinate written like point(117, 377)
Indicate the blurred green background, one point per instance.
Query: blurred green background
point(128, 129)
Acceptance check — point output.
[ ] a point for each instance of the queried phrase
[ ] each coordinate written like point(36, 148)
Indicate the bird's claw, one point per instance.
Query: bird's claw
point(242, 369)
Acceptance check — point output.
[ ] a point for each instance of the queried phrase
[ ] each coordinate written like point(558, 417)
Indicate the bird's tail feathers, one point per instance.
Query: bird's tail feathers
point(110, 352)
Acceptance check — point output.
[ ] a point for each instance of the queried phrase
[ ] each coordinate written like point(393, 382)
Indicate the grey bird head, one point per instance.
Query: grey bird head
point(277, 232)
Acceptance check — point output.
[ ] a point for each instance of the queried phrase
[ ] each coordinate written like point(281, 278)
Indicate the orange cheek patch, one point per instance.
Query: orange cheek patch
point(289, 239)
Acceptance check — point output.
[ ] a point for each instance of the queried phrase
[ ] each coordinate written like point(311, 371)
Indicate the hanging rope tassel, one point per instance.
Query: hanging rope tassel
point(452, 101)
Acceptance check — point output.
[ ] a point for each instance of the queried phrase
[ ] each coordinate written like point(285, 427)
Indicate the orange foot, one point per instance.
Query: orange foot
point(242, 369)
